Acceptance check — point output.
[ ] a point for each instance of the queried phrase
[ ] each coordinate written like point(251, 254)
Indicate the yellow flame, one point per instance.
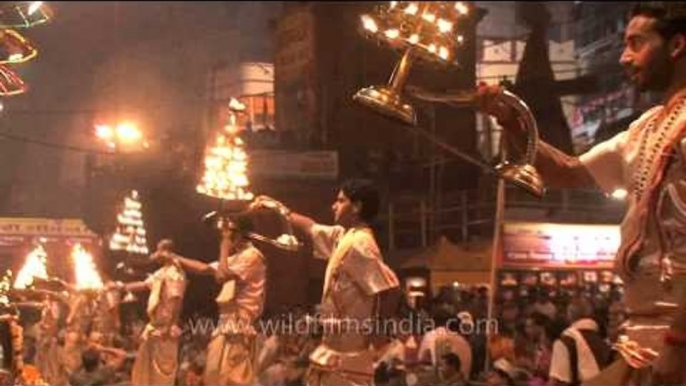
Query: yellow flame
point(443, 53)
point(225, 171)
point(236, 105)
point(87, 276)
point(34, 267)
point(5, 286)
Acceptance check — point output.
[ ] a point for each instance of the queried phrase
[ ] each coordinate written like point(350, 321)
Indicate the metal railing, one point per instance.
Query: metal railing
point(417, 221)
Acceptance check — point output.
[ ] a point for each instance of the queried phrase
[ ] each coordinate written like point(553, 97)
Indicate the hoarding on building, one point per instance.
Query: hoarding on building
point(16, 230)
point(19, 236)
point(294, 71)
point(559, 245)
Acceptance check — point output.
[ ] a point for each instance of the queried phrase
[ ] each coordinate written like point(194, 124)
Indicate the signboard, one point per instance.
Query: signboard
point(294, 72)
point(18, 236)
point(42, 227)
point(281, 164)
point(559, 245)
point(294, 44)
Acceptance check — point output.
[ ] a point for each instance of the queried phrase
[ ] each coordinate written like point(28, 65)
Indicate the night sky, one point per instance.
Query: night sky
point(104, 61)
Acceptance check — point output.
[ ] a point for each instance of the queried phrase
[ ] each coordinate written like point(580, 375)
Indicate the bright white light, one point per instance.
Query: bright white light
point(127, 132)
point(34, 267)
point(236, 105)
point(443, 53)
point(411, 9)
point(444, 25)
point(369, 23)
point(414, 39)
point(619, 194)
point(86, 274)
point(461, 8)
point(432, 48)
point(428, 16)
point(392, 33)
point(104, 132)
point(15, 57)
point(34, 6)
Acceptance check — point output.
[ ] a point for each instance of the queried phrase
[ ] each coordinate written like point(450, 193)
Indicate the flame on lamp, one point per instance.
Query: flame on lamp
point(5, 286)
point(225, 171)
point(236, 105)
point(34, 267)
point(87, 276)
point(431, 29)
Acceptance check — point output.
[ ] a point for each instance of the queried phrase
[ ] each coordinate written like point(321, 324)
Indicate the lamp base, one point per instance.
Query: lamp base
point(383, 100)
point(524, 176)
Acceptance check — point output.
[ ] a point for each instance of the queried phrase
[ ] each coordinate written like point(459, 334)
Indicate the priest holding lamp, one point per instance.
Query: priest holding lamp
point(157, 357)
point(241, 270)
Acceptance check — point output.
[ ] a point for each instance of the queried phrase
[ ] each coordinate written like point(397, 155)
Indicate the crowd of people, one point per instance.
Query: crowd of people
point(447, 342)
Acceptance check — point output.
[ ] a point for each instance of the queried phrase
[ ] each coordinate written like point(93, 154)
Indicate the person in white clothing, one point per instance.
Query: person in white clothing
point(581, 352)
point(358, 287)
point(441, 340)
point(649, 162)
point(241, 270)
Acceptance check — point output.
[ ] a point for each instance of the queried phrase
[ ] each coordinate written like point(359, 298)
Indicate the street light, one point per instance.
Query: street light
point(125, 135)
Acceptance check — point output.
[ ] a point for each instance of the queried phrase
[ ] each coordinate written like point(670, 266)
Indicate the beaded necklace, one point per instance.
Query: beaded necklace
point(647, 154)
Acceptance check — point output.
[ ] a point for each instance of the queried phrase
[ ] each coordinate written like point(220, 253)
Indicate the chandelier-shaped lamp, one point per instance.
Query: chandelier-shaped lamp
point(422, 30)
point(226, 163)
point(10, 83)
point(24, 14)
point(432, 31)
point(14, 48)
point(130, 234)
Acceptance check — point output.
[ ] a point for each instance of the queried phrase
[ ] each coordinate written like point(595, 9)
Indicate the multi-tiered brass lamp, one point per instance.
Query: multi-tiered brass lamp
point(430, 31)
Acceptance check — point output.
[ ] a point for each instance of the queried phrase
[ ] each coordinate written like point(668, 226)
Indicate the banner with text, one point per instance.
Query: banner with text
point(559, 245)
